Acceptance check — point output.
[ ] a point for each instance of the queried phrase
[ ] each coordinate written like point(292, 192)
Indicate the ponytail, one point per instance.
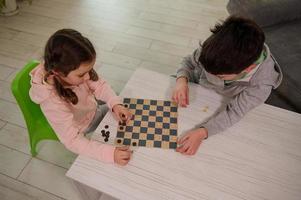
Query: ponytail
point(65, 93)
point(93, 75)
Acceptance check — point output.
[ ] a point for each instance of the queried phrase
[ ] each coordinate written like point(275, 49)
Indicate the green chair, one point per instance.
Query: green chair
point(37, 125)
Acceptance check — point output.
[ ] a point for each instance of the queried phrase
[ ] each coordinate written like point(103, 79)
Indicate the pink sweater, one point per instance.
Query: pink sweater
point(68, 120)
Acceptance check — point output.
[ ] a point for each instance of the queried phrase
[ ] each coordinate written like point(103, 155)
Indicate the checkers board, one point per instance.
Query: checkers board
point(154, 124)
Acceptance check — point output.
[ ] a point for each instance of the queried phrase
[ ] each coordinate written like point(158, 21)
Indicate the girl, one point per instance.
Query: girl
point(67, 87)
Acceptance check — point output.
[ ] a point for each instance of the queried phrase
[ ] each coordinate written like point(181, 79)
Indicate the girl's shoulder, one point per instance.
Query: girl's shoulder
point(37, 73)
point(40, 90)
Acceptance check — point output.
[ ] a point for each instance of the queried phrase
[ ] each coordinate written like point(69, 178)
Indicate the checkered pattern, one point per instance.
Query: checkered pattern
point(154, 124)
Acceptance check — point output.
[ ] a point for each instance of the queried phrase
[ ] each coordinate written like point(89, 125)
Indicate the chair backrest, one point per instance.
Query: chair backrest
point(20, 88)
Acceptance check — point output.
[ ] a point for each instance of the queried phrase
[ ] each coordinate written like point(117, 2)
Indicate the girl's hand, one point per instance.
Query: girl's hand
point(190, 143)
point(122, 113)
point(181, 92)
point(122, 155)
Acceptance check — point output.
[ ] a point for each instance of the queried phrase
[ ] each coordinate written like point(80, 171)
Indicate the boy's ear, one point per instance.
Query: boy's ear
point(248, 69)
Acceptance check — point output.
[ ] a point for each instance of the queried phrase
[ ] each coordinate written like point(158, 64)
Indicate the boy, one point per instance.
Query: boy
point(236, 63)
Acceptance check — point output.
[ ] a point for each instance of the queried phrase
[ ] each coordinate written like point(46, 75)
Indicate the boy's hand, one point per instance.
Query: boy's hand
point(123, 114)
point(122, 155)
point(190, 143)
point(181, 92)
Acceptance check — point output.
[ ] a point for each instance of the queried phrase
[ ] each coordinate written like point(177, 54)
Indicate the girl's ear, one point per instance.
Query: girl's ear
point(56, 73)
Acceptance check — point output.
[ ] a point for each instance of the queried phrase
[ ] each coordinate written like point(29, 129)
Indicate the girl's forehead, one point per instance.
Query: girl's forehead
point(85, 67)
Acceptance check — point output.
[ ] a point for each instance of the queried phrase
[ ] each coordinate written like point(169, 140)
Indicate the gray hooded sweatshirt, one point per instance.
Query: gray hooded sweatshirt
point(244, 94)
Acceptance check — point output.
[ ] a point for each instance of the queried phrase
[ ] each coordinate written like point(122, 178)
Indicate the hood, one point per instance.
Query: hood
point(269, 73)
point(40, 90)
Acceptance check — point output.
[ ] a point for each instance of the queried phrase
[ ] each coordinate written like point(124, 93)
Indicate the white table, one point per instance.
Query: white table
point(258, 158)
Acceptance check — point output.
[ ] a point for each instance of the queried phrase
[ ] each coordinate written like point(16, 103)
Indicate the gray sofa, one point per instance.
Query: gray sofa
point(281, 22)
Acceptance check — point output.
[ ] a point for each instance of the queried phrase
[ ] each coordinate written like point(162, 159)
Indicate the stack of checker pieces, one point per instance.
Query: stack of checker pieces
point(154, 124)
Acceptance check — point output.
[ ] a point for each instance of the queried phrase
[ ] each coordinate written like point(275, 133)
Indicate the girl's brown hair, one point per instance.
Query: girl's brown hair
point(65, 50)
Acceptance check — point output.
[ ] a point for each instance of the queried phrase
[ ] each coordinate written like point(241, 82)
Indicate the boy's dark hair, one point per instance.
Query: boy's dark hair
point(233, 46)
point(65, 51)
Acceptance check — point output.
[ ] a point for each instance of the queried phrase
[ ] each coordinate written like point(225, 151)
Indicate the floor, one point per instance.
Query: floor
point(128, 34)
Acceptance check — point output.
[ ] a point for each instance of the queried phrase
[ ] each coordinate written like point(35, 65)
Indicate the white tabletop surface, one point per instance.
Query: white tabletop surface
point(258, 158)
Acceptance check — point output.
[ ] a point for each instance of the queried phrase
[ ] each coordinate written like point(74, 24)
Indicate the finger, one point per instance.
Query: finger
point(180, 100)
point(183, 139)
point(182, 149)
point(187, 96)
point(183, 100)
point(179, 149)
point(125, 157)
point(194, 148)
point(173, 96)
point(125, 154)
point(176, 98)
point(122, 162)
point(123, 148)
point(125, 162)
point(129, 116)
point(190, 151)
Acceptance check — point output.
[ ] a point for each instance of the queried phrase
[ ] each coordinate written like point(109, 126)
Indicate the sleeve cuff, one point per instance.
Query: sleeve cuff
point(108, 154)
point(114, 101)
point(183, 73)
point(211, 129)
